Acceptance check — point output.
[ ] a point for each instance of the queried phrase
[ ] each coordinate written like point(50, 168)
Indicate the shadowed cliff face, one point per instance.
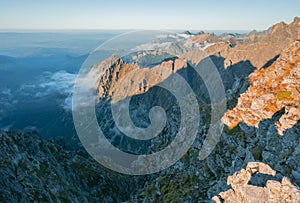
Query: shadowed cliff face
point(271, 90)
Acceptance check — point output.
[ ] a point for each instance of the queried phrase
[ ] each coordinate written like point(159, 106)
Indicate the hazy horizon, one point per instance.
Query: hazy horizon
point(154, 15)
point(70, 31)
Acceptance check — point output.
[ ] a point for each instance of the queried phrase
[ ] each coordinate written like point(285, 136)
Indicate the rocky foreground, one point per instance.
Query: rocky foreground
point(243, 192)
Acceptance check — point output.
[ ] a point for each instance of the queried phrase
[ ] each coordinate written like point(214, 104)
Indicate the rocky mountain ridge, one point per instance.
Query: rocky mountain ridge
point(123, 79)
point(269, 45)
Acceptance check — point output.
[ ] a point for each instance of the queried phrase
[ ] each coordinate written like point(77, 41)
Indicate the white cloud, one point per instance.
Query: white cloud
point(60, 82)
point(7, 101)
point(6, 91)
point(67, 104)
point(57, 83)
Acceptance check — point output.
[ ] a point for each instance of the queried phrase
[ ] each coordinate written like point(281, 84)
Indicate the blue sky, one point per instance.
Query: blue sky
point(154, 14)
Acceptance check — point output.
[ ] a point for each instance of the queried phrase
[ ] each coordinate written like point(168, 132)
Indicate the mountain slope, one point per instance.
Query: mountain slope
point(35, 170)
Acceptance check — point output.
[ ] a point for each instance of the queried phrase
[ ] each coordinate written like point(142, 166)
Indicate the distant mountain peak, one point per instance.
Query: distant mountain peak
point(296, 19)
point(186, 32)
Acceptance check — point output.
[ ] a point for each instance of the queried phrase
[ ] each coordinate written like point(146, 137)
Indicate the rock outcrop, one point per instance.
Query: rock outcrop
point(243, 192)
point(271, 90)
